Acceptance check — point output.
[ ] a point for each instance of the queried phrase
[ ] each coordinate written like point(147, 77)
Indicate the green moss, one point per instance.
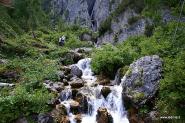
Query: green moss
point(129, 71)
point(124, 70)
point(138, 83)
point(138, 96)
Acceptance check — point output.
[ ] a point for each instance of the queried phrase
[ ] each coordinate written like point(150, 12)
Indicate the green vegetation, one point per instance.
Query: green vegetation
point(31, 47)
point(23, 103)
point(162, 43)
point(147, 8)
point(108, 59)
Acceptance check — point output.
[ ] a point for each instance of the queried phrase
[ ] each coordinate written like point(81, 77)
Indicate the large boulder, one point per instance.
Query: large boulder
point(103, 116)
point(76, 71)
point(141, 81)
point(71, 57)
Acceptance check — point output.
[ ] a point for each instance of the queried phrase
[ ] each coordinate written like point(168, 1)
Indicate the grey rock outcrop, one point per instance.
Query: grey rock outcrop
point(72, 11)
point(141, 81)
point(168, 17)
point(75, 71)
point(88, 13)
point(122, 29)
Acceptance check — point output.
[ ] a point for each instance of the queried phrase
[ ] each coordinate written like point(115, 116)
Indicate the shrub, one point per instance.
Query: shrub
point(23, 103)
point(108, 59)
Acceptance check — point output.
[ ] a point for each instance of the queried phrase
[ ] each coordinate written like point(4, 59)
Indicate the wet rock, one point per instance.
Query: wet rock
point(45, 118)
point(65, 94)
point(74, 93)
point(102, 80)
point(76, 71)
point(65, 119)
point(77, 83)
point(74, 106)
point(105, 91)
point(53, 86)
point(117, 79)
point(83, 101)
point(103, 116)
point(65, 82)
point(78, 118)
point(61, 109)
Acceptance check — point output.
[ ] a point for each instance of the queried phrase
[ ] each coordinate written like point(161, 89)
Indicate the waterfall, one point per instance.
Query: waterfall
point(113, 102)
point(85, 66)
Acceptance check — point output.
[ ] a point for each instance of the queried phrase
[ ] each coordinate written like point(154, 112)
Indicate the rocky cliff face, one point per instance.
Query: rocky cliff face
point(84, 12)
point(91, 13)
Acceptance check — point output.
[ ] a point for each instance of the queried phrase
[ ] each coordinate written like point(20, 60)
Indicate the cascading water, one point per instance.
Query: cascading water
point(85, 66)
point(113, 102)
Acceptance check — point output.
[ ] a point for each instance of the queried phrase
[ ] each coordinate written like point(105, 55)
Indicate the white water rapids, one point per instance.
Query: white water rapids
point(113, 102)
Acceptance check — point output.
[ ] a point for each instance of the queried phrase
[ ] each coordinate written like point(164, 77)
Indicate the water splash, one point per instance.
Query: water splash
point(113, 102)
point(85, 66)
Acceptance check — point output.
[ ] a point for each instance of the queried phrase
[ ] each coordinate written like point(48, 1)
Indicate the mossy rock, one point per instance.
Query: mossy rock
point(138, 83)
point(124, 70)
point(138, 96)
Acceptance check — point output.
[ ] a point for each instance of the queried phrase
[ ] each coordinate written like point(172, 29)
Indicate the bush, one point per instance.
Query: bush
point(23, 103)
point(108, 59)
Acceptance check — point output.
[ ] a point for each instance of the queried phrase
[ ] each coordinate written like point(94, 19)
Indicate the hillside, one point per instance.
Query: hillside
point(122, 61)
